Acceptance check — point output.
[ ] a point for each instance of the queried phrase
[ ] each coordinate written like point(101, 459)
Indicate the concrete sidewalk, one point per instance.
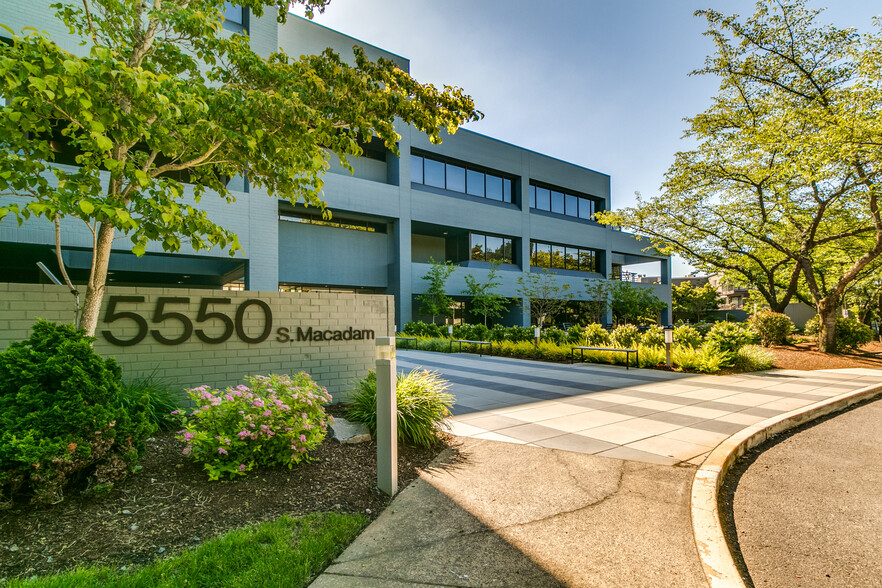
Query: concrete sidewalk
point(498, 514)
point(568, 475)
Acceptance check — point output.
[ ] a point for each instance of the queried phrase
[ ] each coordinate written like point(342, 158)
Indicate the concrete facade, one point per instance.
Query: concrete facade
point(405, 220)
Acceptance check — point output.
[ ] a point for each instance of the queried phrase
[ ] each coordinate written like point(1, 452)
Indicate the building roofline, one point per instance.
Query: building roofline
point(357, 40)
point(533, 151)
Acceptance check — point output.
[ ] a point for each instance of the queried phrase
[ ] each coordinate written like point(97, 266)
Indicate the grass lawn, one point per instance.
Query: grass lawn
point(287, 552)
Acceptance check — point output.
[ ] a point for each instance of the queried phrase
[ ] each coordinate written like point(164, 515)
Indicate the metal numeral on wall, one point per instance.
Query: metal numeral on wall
point(161, 314)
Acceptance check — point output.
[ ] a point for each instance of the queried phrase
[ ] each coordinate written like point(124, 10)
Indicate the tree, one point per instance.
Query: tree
point(634, 304)
point(597, 300)
point(784, 184)
point(691, 303)
point(484, 299)
point(435, 300)
point(160, 109)
point(542, 296)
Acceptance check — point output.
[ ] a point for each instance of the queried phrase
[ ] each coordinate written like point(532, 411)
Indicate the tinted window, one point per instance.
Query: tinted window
point(557, 202)
point(586, 261)
point(416, 169)
point(532, 196)
point(475, 183)
point(494, 187)
point(557, 257)
point(477, 244)
point(434, 173)
point(572, 207)
point(507, 255)
point(233, 13)
point(572, 259)
point(494, 248)
point(586, 208)
point(543, 199)
point(507, 196)
point(455, 178)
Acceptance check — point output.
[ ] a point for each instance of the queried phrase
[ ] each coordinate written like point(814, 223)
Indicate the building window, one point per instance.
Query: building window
point(461, 179)
point(337, 223)
point(490, 248)
point(235, 17)
point(561, 202)
point(563, 257)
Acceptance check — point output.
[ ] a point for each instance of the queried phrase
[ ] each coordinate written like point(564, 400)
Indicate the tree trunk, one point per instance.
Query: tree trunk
point(827, 325)
point(97, 279)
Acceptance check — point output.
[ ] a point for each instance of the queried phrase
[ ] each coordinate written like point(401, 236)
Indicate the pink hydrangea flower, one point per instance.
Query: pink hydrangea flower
point(303, 438)
point(241, 467)
point(188, 435)
point(221, 450)
point(266, 413)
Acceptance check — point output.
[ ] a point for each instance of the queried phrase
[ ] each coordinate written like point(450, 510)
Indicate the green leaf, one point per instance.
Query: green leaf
point(86, 206)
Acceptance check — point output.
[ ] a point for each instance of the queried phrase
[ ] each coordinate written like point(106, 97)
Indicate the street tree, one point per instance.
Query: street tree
point(160, 108)
point(485, 300)
point(787, 165)
point(434, 300)
point(693, 303)
point(542, 296)
point(634, 304)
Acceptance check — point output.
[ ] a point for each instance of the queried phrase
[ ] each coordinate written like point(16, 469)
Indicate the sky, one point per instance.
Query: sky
point(600, 83)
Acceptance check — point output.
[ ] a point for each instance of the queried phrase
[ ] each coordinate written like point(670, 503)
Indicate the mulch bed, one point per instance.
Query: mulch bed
point(170, 505)
point(805, 356)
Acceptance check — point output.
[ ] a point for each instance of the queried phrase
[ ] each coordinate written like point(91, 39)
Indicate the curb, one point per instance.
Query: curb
point(713, 550)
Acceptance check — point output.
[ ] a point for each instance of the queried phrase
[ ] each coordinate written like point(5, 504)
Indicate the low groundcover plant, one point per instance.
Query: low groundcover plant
point(274, 420)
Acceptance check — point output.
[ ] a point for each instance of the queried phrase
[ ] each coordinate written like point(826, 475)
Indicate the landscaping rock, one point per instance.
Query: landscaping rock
point(348, 432)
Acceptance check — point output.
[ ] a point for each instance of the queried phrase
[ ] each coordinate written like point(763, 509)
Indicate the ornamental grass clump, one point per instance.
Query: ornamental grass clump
point(423, 404)
point(274, 420)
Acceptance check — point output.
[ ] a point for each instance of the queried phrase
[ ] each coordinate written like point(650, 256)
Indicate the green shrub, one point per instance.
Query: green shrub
point(61, 418)
point(421, 329)
point(423, 404)
point(650, 355)
point(772, 328)
point(596, 336)
point(654, 336)
point(437, 345)
point(687, 335)
point(849, 332)
point(752, 358)
point(625, 336)
point(554, 335)
point(730, 337)
point(155, 397)
point(576, 335)
point(274, 420)
point(852, 333)
point(706, 359)
point(500, 333)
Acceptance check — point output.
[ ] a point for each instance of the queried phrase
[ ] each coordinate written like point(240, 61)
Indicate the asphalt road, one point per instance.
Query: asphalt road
point(808, 507)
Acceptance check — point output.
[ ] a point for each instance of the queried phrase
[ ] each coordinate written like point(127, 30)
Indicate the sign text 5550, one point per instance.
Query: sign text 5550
point(208, 309)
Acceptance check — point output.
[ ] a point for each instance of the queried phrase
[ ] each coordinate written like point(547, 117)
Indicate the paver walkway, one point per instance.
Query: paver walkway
point(639, 415)
point(525, 503)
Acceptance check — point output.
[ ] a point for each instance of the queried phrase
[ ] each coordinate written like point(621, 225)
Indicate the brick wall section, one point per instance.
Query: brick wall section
point(333, 364)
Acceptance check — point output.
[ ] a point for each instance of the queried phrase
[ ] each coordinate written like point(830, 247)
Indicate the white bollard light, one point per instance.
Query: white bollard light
point(387, 417)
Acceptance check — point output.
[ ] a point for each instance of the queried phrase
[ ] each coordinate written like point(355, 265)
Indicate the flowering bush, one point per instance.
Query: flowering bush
point(730, 337)
point(273, 420)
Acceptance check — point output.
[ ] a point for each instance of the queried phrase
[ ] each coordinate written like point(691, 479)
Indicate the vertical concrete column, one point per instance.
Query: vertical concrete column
point(401, 279)
point(524, 250)
point(387, 417)
point(667, 314)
